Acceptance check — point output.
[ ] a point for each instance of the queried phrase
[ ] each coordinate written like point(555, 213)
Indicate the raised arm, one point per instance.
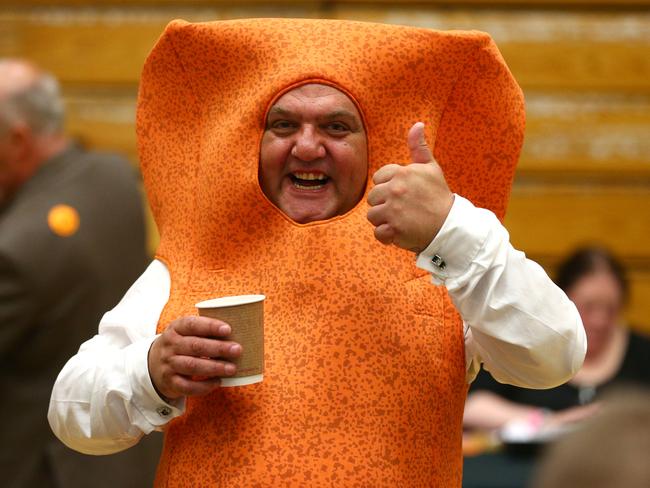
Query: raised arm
point(521, 326)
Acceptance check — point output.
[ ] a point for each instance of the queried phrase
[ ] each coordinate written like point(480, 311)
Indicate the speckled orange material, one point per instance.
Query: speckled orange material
point(365, 370)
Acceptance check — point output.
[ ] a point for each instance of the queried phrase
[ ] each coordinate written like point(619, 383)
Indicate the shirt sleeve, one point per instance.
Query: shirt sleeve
point(519, 324)
point(103, 400)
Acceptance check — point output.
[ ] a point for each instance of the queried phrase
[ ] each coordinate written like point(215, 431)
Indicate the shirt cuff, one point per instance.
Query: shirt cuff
point(146, 400)
point(458, 242)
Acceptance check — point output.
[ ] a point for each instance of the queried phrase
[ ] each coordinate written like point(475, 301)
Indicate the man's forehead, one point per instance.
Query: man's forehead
point(333, 114)
point(339, 103)
point(315, 91)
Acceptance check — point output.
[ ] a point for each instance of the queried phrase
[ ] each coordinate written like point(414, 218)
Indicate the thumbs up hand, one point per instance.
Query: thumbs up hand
point(410, 203)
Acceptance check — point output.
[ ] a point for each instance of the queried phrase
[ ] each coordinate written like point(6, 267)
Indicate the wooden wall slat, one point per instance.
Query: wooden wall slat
point(593, 134)
point(103, 119)
point(552, 220)
point(82, 54)
point(575, 65)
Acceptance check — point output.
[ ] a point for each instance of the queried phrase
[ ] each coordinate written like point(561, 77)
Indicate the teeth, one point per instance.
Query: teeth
point(310, 176)
point(302, 187)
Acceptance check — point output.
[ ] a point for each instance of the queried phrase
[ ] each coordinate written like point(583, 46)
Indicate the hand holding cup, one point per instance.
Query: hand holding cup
point(191, 356)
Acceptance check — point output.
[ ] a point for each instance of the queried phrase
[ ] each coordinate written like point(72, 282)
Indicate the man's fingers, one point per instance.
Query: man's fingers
point(194, 366)
point(385, 173)
point(201, 327)
point(185, 386)
point(377, 215)
point(377, 195)
point(176, 362)
point(418, 147)
point(208, 348)
point(384, 233)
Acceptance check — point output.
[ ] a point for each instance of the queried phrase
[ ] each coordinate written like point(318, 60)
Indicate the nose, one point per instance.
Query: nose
point(308, 145)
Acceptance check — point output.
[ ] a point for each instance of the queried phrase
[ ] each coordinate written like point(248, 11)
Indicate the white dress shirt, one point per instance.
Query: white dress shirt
point(519, 325)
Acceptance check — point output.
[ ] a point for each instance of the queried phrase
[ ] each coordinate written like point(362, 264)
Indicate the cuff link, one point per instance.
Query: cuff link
point(438, 262)
point(164, 411)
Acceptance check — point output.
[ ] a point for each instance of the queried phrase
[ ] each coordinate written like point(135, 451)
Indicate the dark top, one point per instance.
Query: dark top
point(53, 291)
point(513, 467)
point(634, 370)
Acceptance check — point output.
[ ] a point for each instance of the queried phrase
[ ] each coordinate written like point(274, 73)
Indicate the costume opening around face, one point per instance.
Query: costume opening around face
point(364, 377)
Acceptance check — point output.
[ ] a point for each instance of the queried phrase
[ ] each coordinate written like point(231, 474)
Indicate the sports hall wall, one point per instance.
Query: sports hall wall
point(584, 66)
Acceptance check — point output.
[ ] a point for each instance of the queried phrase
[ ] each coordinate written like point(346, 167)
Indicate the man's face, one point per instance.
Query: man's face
point(314, 158)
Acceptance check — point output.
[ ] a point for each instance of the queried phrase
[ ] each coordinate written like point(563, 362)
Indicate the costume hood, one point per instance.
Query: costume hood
point(206, 88)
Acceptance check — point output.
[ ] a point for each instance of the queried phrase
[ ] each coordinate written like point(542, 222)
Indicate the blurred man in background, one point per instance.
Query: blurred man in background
point(71, 241)
point(582, 458)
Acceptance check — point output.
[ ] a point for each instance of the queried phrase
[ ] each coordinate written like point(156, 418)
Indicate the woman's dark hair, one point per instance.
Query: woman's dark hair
point(588, 260)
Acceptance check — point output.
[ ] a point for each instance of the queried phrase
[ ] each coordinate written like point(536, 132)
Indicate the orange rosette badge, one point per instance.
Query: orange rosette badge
point(63, 220)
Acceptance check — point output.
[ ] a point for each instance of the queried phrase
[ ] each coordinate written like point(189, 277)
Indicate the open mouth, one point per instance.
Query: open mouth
point(309, 181)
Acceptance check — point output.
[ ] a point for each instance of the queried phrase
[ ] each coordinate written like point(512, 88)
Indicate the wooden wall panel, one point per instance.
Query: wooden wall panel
point(103, 119)
point(572, 136)
point(87, 42)
point(584, 174)
point(549, 221)
point(546, 49)
point(91, 52)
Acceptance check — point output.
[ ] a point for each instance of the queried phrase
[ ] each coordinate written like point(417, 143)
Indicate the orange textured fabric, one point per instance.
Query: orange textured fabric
point(364, 380)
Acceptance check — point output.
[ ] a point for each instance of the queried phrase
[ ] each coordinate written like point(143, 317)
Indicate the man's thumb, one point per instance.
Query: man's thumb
point(420, 152)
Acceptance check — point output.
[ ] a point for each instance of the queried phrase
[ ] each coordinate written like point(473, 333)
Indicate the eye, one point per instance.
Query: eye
point(337, 128)
point(281, 127)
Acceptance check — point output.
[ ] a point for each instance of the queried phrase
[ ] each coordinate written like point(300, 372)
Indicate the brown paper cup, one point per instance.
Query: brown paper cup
point(245, 315)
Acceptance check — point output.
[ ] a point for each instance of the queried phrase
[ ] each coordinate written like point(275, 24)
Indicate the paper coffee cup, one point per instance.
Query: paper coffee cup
point(245, 315)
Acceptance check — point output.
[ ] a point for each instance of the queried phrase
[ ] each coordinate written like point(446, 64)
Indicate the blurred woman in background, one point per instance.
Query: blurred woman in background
point(595, 281)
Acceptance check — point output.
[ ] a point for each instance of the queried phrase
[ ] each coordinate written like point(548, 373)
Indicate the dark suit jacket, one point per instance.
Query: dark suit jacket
point(53, 291)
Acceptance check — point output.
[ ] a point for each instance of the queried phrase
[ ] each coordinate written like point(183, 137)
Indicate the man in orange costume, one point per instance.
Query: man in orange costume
point(366, 362)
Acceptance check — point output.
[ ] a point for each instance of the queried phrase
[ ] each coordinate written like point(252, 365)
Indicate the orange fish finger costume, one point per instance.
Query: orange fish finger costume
point(364, 381)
